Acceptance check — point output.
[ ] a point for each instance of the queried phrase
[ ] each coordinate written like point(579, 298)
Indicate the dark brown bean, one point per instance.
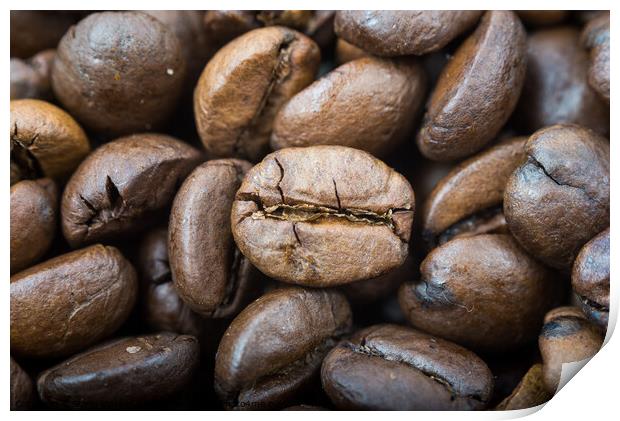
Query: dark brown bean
point(530, 392)
point(595, 37)
point(33, 31)
point(542, 17)
point(23, 393)
point(31, 78)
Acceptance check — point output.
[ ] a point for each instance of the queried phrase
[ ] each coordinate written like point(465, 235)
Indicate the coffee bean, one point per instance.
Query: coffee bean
point(530, 392)
point(595, 37)
point(389, 367)
point(65, 304)
point(346, 52)
point(23, 394)
point(31, 78)
point(559, 198)
point(542, 17)
point(121, 374)
point(33, 31)
point(323, 216)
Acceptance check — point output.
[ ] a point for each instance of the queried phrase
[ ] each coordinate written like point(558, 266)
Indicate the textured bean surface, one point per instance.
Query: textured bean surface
point(595, 37)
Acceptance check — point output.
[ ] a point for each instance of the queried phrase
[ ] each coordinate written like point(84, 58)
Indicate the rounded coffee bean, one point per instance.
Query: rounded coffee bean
point(119, 72)
point(323, 216)
point(390, 367)
point(72, 301)
point(402, 32)
point(346, 52)
point(595, 37)
point(222, 26)
point(244, 85)
point(482, 292)
point(34, 207)
point(122, 373)
point(556, 88)
point(122, 185)
point(590, 278)
point(272, 351)
point(33, 31)
point(468, 201)
point(542, 17)
point(530, 392)
point(567, 336)
point(45, 141)
point(23, 394)
point(209, 272)
point(559, 198)
point(477, 90)
point(369, 104)
point(31, 78)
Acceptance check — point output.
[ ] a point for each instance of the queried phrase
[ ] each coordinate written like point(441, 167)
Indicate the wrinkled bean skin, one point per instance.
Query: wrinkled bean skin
point(323, 216)
point(245, 84)
point(590, 278)
point(209, 272)
point(390, 367)
point(272, 351)
point(530, 392)
point(65, 304)
point(119, 72)
point(482, 292)
point(23, 393)
point(34, 207)
point(121, 374)
point(112, 192)
point(595, 37)
point(477, 90)
point(559, 198)
point(387, 94)
point(566, 336)
point(31, 78)
point(402, 32)
point(33, 31)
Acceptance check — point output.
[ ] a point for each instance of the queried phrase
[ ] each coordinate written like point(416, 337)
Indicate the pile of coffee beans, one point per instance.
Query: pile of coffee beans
point(306, 210)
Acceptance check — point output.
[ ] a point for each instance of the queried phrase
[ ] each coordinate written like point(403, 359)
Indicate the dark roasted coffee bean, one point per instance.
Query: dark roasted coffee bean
point(245, 84)
point(119, 72)
point(323, 216)
point(389, 367)
point(122, 185)
point(473, 291)
point(402, 32)
point(209, 272)
point(272, 351)
point(559, 198)
point(542, 17)
point(530, 392)
point(477, 91)
point(31, 78)
point(72, 301)
point(368, 104)
point(595, 37)
point(122, 373)
point(33, 31)
point(590, 278)
point(23, 393)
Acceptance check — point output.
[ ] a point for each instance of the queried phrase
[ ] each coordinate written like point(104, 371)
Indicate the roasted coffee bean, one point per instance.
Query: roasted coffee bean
point(542, 17)
point(590, 278)
point(209, 272)
point(477, 90)
point(323, 216)
point(529, 392)
point(244, 85)
point(122, 373)
point(33, 31)
point(468, 201)
point(31, 78)
point(556, 88)
point(34, 209)
point(368, 104)
point(45, 141)
point(567, 336)
point(402, 32)
point(121, 186)
point(559, 198)
point(119, 72)
point(595, 37)
point(389, 367)
point(65, 304)
point(346, 52)
point(482, 292)
point(272, 351)
point(23, 393)
point(222, 26)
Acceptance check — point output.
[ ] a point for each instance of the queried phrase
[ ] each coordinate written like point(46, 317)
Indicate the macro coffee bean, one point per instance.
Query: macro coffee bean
point(272, 351)
point(45, 141)
point(31, 78)
point(468, 201)
point(323, 216)
point(558, 199)
point(590, 278)
point(23, 393)
point(209, 272)
point(119, 72)
point(595, 37)
point(390, 367)
point(482, 292)
point(121, 186)
point(346, 52)
point(530, 392)
point(67, 303)
point(567, 336)
point(121, 374)
point(244, 85)
point(402, 32)
point(387, 95)
point(33, 31)
point(477, 91)
point(34, 210)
